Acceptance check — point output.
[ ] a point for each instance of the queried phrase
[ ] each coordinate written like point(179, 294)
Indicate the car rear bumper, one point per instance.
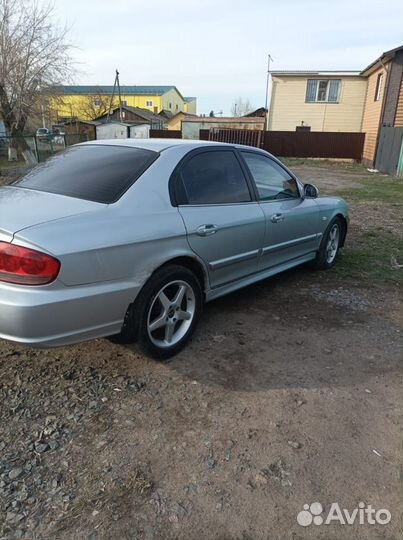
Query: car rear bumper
point(55, 315)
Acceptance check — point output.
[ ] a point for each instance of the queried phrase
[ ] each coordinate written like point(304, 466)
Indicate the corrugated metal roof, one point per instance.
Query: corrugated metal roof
point(143, 113)
point(385, 57)
point(127, 90)
point(115, 122)
point(91, 122)
point(301, 73)
point(223, 119)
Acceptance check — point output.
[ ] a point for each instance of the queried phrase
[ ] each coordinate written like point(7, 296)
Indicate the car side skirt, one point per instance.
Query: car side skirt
point(212, 294)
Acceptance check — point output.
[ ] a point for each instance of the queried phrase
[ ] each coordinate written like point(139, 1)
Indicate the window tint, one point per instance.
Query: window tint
point(214, 178)
point(94, 172)
point(272, 181)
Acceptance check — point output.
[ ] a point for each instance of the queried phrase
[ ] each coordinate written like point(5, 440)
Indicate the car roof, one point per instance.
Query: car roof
point(158, 145)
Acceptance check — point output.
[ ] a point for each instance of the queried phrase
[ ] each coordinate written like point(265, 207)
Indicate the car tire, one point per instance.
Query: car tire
point(330, 245)
point(165, 313)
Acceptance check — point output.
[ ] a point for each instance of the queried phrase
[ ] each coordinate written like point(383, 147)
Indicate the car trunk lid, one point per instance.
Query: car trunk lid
point(21, 208)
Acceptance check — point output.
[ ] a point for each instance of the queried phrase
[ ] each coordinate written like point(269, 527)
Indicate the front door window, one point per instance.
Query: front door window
point(272, 181)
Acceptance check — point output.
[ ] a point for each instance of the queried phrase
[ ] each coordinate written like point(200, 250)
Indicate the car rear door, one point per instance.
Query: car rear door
point(225, 224)
point(292, 221)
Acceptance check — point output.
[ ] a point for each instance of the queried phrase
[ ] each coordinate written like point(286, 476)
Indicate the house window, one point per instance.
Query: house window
point(97, 103)
point(322, 91)
point(177, 107)
point(149, 103)
point(124, 103)
point(378, 89)
point(170, 105)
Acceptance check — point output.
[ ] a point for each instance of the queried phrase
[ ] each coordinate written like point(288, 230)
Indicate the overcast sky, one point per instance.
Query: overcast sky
point(217, 50)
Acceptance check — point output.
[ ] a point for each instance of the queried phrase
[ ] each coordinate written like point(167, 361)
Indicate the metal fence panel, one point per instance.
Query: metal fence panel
point(249, 137)
point(389, 150)
point(42, 147)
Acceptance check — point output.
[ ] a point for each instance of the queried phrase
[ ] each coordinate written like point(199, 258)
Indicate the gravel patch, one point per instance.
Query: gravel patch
point(342, 297)
point(45, 406)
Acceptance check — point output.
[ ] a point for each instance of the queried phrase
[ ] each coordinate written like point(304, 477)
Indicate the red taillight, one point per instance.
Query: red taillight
point(26, 266)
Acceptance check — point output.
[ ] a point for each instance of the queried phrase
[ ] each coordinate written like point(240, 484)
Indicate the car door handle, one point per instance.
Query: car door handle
point(275, 218)
point(206, 230)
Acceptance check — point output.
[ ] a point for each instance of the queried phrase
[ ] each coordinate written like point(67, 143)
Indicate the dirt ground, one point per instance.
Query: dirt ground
point(290, 393)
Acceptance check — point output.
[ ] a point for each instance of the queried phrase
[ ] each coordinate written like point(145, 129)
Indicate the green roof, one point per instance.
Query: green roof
point(126, 90)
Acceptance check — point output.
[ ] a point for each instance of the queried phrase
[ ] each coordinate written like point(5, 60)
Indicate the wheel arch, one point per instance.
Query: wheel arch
point(345, 227)
point(129, 331)
point(193, 264)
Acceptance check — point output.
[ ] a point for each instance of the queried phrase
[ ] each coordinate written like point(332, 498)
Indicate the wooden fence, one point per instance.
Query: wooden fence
point(313, 144)
point(165, 134)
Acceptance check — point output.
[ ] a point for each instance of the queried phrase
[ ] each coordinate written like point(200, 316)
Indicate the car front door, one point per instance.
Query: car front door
point(225, 224)
point(292, 221)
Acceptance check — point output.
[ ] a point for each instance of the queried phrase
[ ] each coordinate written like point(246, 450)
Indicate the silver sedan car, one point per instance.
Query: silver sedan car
point(131, 237)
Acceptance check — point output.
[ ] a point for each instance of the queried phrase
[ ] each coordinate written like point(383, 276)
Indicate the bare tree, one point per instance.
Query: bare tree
point(34, 56)
point(241, 106)
point(95, 105)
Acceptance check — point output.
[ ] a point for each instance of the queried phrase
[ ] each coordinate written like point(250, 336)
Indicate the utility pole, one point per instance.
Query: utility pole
point(120, 97)
point(115, 84)
point(266, 106)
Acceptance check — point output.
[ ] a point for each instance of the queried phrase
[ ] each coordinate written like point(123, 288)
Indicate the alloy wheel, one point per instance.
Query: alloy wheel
point(171, 314)
point(332, 243)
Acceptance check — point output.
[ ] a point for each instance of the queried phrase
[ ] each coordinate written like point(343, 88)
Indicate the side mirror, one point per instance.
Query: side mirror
point(311, 191)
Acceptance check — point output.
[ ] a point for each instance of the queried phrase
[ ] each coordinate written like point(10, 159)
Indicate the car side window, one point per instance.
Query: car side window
point(272, 181)
point(214, 177)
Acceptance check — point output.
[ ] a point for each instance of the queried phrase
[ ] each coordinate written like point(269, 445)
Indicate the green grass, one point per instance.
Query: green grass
point(381, 189)
point(349, 166)
point(368, 258)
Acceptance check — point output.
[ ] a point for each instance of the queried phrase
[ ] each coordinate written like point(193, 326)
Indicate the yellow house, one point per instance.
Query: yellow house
point(175, 122)
point(322, 100)
point(89, 102)
point(190, 105)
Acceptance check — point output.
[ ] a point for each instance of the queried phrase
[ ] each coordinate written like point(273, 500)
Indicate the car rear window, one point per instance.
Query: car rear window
point(214, 177)
point(98, 173)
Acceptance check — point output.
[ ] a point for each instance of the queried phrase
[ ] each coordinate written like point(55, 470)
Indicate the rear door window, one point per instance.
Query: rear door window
point(98, 173)
point(213, 177)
